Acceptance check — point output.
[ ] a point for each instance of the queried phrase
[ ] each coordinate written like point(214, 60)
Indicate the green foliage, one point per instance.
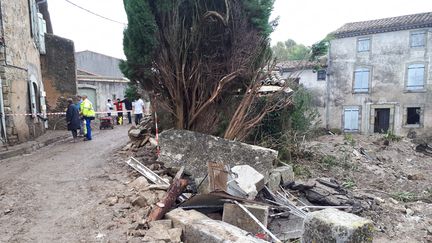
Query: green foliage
point(131, 92)
point(320, 48)
point(259, 12)
point(349, 184)
point(285, 130)
point(404, 196)
point(301, 170)
point(139, 39)
point(329, 161)
point(348, 137)
point(290, 51)
point(391, 136)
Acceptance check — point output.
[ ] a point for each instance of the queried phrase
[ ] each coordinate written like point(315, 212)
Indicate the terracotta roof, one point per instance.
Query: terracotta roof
point(296, 65)
point(406, 22)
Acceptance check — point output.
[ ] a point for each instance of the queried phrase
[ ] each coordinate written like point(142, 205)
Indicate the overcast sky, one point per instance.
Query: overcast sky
point(305, 21)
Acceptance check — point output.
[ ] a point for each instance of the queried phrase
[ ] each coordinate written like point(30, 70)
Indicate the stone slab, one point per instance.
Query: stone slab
point(194, 150)
point(332, 225)
point(249, 180)
point(233, 214)
point(199, 228)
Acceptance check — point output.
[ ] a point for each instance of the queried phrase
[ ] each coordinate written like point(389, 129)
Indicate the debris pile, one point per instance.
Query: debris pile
point(217, 190)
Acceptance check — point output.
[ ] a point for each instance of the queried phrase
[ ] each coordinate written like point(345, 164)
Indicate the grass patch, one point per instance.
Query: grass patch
point(404, 196)
point(301, 170)
point(349, 184)
point(348, 137)
point(390, 136)
point(329, 161)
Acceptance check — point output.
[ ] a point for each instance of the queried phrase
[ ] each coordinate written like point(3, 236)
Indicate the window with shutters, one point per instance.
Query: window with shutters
point(321, 75)
point(363, 44)
point(415, 77)
point(361, 80)
point(418, 39)
point(351, 119)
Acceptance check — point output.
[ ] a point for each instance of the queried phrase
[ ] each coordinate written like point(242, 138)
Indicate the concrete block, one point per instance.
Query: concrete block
point(193, 150)
point(286, 172)
point(274, 180)
point(199, 228)
point(286, 229)
point(233, 214)
point(332, 225)
point(163, 224)
point(249, 180)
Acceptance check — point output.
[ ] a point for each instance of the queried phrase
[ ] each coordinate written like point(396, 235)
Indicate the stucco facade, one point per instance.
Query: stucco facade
point(20, 73)
point(380, 81)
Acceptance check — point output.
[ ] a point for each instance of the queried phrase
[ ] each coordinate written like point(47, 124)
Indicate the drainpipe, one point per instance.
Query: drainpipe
point(329, 74)
point(2, 112)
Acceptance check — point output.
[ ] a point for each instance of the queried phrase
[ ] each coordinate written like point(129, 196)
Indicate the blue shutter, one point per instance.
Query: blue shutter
point(351, 122)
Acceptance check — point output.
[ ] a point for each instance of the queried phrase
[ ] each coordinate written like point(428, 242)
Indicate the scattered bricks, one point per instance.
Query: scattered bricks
point(139, 183)
point(249, 180)
point(199, 228)
point(233, 214)
point(332, 225)
point(175, 235)
point(286, 172)
point(134, 133)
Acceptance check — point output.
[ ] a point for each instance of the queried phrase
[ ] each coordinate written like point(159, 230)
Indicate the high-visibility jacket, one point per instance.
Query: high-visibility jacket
point(87, 108)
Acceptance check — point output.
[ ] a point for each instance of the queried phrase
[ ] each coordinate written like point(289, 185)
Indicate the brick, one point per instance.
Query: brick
point(233, 214)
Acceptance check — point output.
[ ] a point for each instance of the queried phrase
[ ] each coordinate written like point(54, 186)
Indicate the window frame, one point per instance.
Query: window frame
point(405, 115)
point(356, 68)
point(359, 117)
point(359, 39)
point(417, 32)
point(407, 76)
point(318, 75)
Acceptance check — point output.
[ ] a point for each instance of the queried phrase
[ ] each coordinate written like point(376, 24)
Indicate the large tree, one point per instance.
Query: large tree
point(290, 51)
point(194, 54)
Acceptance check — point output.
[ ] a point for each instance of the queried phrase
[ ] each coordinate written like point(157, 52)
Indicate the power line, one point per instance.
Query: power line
point(96, 14)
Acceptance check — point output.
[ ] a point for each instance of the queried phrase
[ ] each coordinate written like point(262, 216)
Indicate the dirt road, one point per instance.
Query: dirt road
point(53, 195)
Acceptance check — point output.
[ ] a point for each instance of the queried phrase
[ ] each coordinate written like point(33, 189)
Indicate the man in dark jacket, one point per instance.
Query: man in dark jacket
point(128, 106)
point(73, 119)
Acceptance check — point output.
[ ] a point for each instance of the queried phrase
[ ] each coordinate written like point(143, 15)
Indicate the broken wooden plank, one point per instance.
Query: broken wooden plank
point(218, 176)
point(175, 190)
point(146, 172)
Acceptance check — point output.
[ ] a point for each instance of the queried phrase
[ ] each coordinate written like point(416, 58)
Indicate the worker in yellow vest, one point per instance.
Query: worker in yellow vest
point(88, 113)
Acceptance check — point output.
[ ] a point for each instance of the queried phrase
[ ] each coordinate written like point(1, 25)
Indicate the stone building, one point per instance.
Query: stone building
point(22, 90)
point(379, 76)
point(100, 78)
point(311, 75)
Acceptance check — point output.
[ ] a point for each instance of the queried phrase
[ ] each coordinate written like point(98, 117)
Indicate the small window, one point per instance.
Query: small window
point(321, 75)
point(416, 76)
point(418, 39)
point(361, 80)
point(351, 119)
point(363, 44)
point(413, 116)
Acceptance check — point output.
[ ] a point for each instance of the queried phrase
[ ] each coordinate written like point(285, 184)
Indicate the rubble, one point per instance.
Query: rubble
point(193, 150)
point(199, 228)
point(234, 215)
point(248, 179)
point(332, 225)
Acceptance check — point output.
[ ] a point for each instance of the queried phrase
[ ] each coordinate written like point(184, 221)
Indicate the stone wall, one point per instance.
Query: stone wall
point(58, 71)
point(19, 65)
point(388, 59)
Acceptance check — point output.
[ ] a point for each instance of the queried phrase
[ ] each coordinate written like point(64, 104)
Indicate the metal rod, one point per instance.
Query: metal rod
point(258, 222)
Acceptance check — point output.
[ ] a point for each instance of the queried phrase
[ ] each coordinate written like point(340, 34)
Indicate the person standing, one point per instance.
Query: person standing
point(138, 110)
point(78, 106)
point(128, 106)
point(88, 113)
point(73, 119)
point(119, 108)
point(110, 107)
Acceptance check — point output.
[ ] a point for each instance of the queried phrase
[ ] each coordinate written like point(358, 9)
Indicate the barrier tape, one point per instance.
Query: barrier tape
point(61, 113)
point(157, 136)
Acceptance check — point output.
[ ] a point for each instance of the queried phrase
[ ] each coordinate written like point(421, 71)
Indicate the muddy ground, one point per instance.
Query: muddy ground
point(395, 176)
point(57, 194)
